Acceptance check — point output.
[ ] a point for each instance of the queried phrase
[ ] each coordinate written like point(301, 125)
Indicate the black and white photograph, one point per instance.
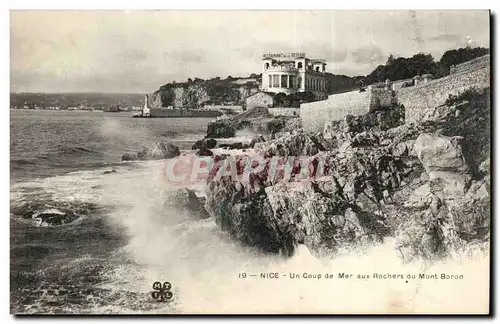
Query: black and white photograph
point(250, 162)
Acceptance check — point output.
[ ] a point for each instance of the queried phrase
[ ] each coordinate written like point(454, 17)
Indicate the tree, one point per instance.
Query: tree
point(461, 55)
point(167, 97)
point(192, 96)
point(403, 68)
point(279, 100)
point(390, 60)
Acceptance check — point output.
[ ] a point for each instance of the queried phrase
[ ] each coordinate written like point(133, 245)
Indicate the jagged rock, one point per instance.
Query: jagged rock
point(378, 178)
point(129, 157)
point(365, 138)
point(222, 128)
point(198, 145)
point(211, 143)
point(444, 160)
point(187, 201)
point(484, 167)
point(257, 139)
point(158, 152)
point(440, 226)
point(208, 143)
point(292, 124)
point(204, 152)
point(312, 217)
point(169, 150)
point(233, 146)
point(236, 146)
point(293, 145)
point(471, 213)
point(401, 149)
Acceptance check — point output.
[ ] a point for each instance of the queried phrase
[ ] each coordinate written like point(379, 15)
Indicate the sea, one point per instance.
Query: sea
point(120, 239)
point(107, 259)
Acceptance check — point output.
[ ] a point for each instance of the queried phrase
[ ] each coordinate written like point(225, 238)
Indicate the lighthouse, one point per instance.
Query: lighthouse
point(145, 110)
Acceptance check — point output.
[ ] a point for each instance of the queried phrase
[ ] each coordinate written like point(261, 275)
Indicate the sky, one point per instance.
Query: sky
point(138, 51)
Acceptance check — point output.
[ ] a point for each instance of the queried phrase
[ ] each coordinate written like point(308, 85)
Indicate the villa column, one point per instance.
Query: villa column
point(288, 81)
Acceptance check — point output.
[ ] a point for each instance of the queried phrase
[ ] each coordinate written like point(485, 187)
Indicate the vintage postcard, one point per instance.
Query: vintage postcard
point(250, 162)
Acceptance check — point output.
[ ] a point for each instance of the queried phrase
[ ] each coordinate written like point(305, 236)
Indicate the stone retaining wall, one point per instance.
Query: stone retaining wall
point(316, 115)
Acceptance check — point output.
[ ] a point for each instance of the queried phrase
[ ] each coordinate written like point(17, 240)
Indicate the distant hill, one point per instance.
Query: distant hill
point(83, 99)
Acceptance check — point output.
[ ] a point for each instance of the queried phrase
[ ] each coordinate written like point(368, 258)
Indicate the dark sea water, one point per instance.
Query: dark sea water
point(119, 240)
point(47, 143)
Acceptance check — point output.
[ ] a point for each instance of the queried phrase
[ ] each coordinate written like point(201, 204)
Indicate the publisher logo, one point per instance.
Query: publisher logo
point(161, 291)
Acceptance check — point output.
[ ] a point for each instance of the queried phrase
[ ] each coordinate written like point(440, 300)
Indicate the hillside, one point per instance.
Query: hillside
point(197, 92)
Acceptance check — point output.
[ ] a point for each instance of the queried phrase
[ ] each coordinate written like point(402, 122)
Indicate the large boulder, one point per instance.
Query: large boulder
point(204, 152)
point(292, 145)
point(211, 143)
point(159, 151)
point(129, 157)
point(236, 146)
point(199, 145)
point(186, 201)
point(222, 128)
point(169, 150)
point(207, 143)
point(445, 161)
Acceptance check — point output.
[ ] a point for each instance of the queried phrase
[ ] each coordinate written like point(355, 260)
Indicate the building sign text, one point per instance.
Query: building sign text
point(283, 55)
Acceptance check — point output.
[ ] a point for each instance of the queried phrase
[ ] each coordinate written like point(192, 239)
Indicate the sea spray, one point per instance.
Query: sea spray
point(204, 266)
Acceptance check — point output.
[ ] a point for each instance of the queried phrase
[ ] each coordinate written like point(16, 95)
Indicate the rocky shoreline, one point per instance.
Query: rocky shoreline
point(425, 184)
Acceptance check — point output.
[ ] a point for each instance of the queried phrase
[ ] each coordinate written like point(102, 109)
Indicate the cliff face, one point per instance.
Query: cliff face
point(193, 94)
point(368, 177)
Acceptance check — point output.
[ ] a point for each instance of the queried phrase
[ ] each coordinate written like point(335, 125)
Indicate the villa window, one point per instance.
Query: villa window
point(284, 81)
point(291, 81)
point(276, 81)
point(267, 66)
point(270, 84)
point(317, 69)
point(299, 65)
